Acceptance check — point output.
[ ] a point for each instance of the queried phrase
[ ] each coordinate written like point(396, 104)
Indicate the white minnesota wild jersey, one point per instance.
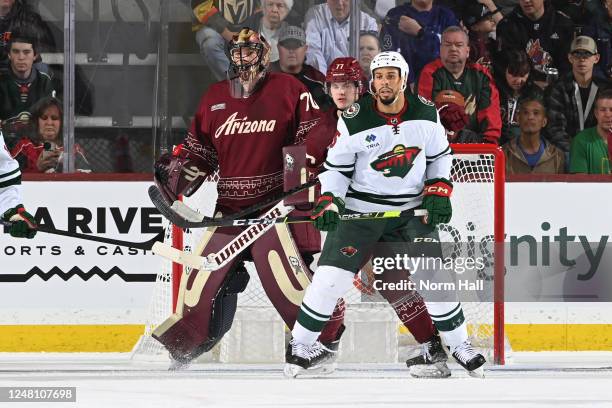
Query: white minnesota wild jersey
point(10, 179)
point(379, 162)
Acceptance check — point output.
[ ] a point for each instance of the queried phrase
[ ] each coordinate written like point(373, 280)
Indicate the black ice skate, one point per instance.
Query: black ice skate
point(469, 359)
point(304, 359)
point(431, 363)
point(331, 348)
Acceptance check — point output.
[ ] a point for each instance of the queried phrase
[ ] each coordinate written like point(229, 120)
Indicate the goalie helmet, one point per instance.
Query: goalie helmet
point(343, 70)
point(389, 59)
point(249, 56)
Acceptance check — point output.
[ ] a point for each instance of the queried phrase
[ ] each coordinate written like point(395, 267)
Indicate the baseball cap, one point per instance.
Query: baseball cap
point(291, 37)
point(584, 43)
point(475, 12)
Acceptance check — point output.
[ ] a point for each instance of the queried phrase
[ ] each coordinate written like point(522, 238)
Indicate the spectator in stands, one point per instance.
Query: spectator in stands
point(16, 16)
point(514, 82)
point(543, 32)
point(458, 6)
point(272, 20)
point(292, 51)
point(327, 32)
point(506, 6)
point(530, 152)
point(21, 88)
point(215, 28)
point(451, 77)
point(43, 153)
point(481, 23)
point(576, 10)
point(369, 47)
point(570, 99)
point(414, 31)
point(591, 149)
point(218, 25)
point(382, 7)
point(600, 29)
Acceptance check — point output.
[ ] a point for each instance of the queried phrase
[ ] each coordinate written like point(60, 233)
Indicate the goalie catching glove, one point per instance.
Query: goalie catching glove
point(23, 224)
point(326, 213)
point(436, 201)
point(179, 172)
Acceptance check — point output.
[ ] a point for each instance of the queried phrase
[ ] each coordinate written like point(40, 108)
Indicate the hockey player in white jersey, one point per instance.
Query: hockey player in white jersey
point(390, 153)
point(23, 224)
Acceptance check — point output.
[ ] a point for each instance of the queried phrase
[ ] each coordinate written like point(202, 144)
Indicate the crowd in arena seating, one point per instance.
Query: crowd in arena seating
point(530, 75)
point(30, 113)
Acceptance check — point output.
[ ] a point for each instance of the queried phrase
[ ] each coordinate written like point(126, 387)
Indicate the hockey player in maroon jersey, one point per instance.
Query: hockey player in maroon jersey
point(345, 83)
point(241, 127)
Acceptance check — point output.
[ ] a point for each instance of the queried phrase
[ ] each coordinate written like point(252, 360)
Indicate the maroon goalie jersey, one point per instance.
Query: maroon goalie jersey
point(320, 138)
point(245, 137)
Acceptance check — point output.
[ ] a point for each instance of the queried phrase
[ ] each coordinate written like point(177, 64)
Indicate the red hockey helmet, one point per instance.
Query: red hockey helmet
point(345, 69)
point(249, 57)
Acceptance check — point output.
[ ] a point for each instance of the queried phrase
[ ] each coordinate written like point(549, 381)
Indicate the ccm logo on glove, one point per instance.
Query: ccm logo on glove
point(440, 188)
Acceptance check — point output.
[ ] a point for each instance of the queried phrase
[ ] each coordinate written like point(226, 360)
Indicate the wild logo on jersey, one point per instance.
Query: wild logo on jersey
point(397, 162)
point(349, 251)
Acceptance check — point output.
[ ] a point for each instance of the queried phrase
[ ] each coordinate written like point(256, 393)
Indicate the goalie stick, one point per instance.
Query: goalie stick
point(219, 259)
point(180, 214)
point(147, 245)
point(258, 226)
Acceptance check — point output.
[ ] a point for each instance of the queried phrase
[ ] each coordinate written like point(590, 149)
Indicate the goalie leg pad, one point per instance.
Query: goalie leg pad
point(307, 237)
point(283, 273)
point(206, 304)
point(284, 277)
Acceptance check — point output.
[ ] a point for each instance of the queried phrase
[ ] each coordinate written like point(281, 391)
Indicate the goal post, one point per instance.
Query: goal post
point(478, 175)
point(499, 182)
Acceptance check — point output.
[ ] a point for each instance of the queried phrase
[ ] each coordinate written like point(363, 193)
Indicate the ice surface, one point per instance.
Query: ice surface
point(112, 380)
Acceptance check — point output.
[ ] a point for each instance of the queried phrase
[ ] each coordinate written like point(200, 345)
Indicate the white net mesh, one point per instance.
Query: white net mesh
point(374, 333)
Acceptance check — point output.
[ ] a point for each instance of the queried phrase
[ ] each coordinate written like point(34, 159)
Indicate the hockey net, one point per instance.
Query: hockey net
point(374, 333)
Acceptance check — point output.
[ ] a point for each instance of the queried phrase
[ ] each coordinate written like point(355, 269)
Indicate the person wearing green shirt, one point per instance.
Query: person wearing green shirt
point(590, 151)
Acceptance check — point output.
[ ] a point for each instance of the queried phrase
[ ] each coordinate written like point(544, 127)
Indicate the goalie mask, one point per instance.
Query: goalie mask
point(249, 55)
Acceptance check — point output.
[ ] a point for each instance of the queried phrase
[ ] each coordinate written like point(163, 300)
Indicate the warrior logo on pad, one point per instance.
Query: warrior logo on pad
point(396, 163)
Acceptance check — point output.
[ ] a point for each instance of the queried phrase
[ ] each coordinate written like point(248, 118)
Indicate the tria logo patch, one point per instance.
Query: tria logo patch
point(371, 142)
point(349, 251)
point(397, 162)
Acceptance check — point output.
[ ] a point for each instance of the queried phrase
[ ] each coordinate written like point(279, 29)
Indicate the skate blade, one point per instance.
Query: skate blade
point(477, 373)
point(437, 370)
point(178, 366)
point(293, 371)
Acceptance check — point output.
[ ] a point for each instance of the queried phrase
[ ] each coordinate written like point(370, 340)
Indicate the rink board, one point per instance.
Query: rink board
point(100, 299)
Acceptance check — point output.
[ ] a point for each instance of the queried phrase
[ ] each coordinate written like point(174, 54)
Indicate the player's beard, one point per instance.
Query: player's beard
point(389, 100)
